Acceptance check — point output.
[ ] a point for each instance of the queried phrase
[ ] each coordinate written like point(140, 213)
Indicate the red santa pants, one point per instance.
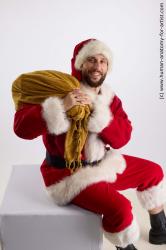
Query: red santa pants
point(103, 198)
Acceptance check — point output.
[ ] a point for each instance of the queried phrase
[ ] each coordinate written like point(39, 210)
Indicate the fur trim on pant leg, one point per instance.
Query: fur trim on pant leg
point(126, 236)
point(153, 197)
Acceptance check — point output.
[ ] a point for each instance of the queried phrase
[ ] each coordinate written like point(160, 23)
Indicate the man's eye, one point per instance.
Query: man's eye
point(103, 61)
point(91, 60)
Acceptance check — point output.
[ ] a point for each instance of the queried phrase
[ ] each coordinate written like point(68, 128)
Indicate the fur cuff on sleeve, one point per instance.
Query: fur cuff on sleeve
point(55, 116)
point(101, 116)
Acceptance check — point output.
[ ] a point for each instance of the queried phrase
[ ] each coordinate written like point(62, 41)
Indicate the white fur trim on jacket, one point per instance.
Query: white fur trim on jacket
point(153, 197)
point(55, 116)
point(93, 48)
point(126, 236)
point(65, 190)
point(94, 148)
point(101, 115)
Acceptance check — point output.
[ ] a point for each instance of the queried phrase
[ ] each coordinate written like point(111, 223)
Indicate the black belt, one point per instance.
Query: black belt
point(58, 162)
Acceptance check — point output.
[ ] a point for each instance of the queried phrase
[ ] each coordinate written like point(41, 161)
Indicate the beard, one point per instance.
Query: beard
point(86, 78)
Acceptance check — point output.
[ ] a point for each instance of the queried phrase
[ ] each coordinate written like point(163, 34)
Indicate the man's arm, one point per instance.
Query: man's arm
point(33, 120)
point(112, 125)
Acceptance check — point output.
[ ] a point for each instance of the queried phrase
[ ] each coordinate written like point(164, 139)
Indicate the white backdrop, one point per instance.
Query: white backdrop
point(38, 34)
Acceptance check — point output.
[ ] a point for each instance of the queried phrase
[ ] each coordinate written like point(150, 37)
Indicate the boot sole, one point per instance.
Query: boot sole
point(157, 243)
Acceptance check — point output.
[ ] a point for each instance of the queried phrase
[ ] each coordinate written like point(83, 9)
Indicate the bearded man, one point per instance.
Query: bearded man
point(104, 172)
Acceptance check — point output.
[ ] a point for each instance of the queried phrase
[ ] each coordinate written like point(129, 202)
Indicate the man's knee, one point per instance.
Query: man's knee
point(155, 173)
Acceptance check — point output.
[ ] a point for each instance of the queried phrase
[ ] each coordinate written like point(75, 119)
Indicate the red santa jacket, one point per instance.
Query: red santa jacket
point(108, 124)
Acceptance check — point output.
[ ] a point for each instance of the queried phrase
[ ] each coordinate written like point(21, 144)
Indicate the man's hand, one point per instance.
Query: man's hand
point(76, 97)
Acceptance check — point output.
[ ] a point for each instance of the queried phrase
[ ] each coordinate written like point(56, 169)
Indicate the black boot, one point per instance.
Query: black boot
point(129, 247)
point(157, 233)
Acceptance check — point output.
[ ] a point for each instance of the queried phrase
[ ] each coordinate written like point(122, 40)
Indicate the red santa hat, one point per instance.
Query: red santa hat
point(85, 49)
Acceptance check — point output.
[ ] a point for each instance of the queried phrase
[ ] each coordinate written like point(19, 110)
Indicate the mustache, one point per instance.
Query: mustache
point(95, 71)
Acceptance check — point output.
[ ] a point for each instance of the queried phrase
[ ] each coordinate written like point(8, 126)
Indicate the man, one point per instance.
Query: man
point(95, 186)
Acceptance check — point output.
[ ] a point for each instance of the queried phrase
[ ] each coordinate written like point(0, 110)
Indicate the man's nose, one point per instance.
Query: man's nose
point(97, 66)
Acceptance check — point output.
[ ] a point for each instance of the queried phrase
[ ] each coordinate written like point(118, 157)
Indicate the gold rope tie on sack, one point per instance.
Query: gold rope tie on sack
point(74, 166)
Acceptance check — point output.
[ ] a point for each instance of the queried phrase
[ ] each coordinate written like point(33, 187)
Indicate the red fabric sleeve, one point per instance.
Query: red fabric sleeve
point(28, 122)
point(118, 132)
